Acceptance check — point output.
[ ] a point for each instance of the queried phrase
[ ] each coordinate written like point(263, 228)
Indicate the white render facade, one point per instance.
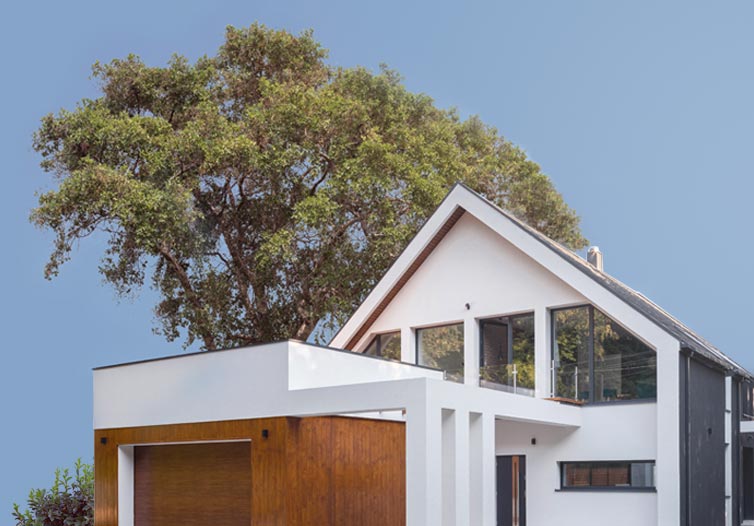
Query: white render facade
point(481, 265)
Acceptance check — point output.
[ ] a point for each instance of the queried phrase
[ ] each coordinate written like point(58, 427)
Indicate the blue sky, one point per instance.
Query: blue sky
point(642, 114)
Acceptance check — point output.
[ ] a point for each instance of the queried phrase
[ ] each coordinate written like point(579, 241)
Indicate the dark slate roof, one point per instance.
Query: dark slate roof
point(688, 338)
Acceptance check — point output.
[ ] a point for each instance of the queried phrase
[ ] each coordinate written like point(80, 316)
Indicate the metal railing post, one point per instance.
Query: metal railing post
point(576, 382)
point(552, 378)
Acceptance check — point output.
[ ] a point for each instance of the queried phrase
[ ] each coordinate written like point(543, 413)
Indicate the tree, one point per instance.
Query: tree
point(263, 191)
point(69, 502)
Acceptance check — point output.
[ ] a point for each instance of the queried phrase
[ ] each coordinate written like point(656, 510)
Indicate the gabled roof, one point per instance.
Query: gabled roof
point(462, 199)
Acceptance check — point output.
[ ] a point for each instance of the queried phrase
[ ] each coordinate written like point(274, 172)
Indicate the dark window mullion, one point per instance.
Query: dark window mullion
point(481, 346)
point(510, 340)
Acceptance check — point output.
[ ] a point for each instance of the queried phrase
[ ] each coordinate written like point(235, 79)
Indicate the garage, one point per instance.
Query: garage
point(284, 471)
point(193, 484)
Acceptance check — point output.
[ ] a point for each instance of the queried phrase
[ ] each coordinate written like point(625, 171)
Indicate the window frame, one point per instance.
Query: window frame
point(592, 463)
point(417, 349)
point(377, 337)
point(590, 351)
point(480, 329)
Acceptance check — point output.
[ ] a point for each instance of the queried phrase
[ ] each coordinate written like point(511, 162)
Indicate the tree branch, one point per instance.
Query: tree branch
point(193, 297)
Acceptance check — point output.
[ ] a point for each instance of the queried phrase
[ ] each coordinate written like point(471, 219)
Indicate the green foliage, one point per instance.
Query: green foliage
point(521, 369)
point(572, 336)
point(69, 502)
point(442, 348)
point(262, 190)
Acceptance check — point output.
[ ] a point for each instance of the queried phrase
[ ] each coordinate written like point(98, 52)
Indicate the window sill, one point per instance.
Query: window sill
point(609, 490)
point(621, 402)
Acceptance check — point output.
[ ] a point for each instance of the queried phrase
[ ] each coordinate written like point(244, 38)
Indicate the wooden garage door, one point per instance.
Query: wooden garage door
point(193, 485)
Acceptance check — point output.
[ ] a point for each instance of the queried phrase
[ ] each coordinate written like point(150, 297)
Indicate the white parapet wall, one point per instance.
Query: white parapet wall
point(311, 366)
point(278, 379)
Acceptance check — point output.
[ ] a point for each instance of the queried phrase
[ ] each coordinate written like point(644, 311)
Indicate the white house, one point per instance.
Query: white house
point(492, 377)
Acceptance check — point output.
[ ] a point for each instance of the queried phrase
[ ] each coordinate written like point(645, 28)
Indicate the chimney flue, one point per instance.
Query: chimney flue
point(594, 257)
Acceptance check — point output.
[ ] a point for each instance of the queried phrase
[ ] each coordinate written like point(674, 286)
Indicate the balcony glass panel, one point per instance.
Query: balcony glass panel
point(571, 353)
point(624, 366)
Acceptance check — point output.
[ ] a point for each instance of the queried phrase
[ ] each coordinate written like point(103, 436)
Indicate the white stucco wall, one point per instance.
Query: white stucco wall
point(472, 265)
point(625, 431)
point(310, 366)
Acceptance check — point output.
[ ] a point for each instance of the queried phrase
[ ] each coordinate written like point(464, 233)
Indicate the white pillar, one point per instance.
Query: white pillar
point(542, 360)
point(471, 351)
point(423, 465)
point(462, 469)
point(668, 469)
point(476, 467)
point(483, 491)
point(408, 345)
point(449, 456)
point(125, 485)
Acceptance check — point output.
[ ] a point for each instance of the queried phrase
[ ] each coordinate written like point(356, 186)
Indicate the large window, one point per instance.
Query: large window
point(597, 360)
point(442, 348)
point(571, 341)
point(506, 358)
point(608, 475)
point(387, 345)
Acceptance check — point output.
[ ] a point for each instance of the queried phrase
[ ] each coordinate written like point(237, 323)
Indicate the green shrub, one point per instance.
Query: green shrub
point(70, 501)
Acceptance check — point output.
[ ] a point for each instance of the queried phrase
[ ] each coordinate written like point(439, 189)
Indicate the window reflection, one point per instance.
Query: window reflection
point(442, 348)
point(596, 359)
point(387, 345)
point(507, 353)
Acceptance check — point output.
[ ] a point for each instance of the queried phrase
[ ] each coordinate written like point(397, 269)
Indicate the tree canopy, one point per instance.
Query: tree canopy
point(262, 191)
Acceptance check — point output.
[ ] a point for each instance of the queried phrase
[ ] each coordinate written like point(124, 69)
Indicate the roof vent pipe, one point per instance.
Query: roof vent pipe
point(594, 257)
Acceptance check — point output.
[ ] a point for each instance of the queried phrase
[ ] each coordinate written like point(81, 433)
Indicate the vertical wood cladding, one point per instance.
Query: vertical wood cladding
point(369, 474)
point(325, 470)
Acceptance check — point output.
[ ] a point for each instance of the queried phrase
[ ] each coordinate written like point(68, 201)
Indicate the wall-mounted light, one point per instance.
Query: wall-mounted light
point(534, 441)
point(103, 440)
point(265, 433)
point(468, 306)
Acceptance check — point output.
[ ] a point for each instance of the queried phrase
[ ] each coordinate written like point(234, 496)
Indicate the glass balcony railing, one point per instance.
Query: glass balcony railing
point(512, 378)
point(570, 381)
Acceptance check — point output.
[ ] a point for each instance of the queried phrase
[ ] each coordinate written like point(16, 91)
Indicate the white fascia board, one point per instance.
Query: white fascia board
point(394, 273)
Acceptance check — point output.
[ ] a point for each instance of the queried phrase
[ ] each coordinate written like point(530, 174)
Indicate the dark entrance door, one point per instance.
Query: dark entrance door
point(511, 490)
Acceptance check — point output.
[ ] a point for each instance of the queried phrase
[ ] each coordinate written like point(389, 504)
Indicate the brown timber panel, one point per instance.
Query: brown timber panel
point(322, 471)
point(193, 484)
point(369, 472)
point(267, 460)
point(105, 481)
point(310, 470)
